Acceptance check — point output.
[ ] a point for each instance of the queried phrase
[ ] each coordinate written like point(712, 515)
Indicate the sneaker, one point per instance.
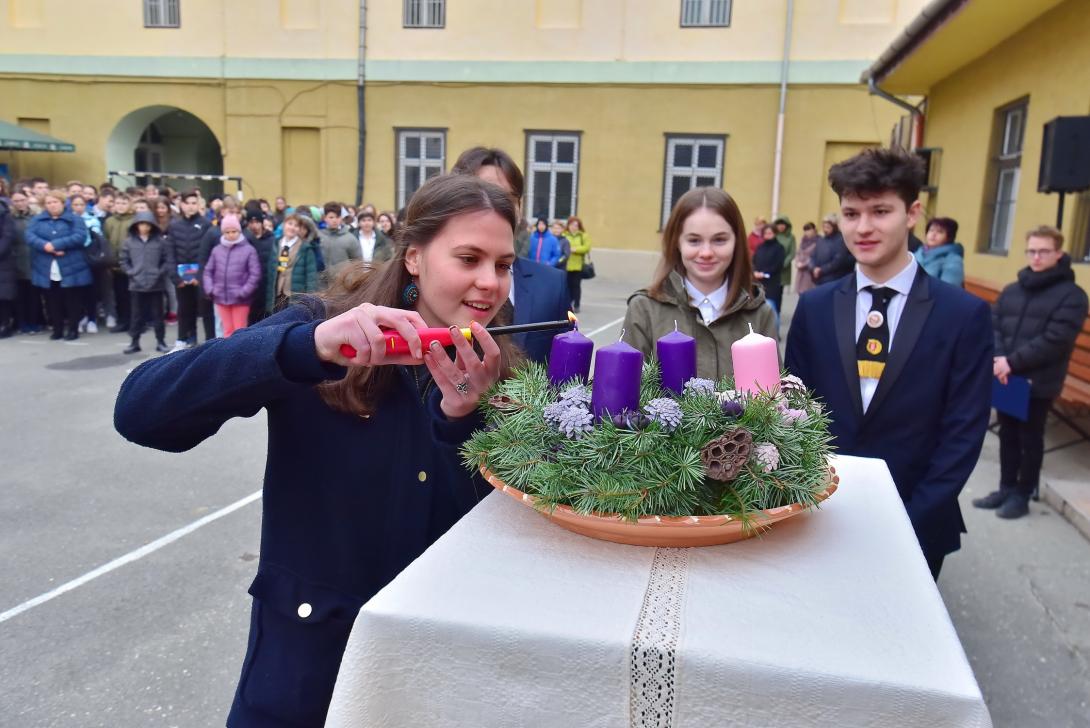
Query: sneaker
point(71, 336)
point(92, 327)
point(111, 321)
point(180, 345)
point(1014, 507)
point(83, 324)
point(133, 347)
point(56, 336)
point(993, 500)
point(162, 347)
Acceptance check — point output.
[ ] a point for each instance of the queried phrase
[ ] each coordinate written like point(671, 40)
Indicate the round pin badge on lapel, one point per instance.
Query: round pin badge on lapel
point(875, 319)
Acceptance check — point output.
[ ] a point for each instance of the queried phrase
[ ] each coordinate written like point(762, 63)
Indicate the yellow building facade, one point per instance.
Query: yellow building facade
point(613, 107)
point(994, 74)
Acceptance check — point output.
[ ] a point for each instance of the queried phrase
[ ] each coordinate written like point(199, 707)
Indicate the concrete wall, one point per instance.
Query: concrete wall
point(623, 143)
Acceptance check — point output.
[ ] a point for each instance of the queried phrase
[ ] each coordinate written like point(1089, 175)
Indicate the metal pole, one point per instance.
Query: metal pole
point(361, 106)
point(777, 169)
point(1060, 213)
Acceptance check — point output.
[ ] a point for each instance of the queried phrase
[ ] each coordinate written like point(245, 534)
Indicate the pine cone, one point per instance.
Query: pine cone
point(725, 456)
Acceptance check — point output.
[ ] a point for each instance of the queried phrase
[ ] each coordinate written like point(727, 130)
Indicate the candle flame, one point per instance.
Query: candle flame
point(573, 318)
point(751, 329)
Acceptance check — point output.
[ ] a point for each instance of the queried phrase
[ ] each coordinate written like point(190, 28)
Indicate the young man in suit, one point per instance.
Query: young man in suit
point(539, 293)
point(909, 377)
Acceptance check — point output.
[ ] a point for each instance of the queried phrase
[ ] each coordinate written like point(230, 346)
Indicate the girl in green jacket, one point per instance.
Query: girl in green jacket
point(703, 285)
point(579, 241)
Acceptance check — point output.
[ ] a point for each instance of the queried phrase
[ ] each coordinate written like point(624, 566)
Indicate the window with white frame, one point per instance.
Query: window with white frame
point(421, 155)
point(705, 13)
point(424, 13)
point(552, 174)
point(162, 14)
point(691, 161)
point(1006, 173)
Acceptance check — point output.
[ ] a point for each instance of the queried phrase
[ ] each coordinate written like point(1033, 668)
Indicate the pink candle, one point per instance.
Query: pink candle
point(756, 363)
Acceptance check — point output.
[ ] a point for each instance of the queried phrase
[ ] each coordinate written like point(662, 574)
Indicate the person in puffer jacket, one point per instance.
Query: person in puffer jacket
point(58, 263)
point(1036, 321)
point(232, 275)
point(147, 261)
point(941, 256)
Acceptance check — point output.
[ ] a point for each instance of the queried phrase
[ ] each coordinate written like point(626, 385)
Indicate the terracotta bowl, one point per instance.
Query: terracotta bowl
point(667, 531)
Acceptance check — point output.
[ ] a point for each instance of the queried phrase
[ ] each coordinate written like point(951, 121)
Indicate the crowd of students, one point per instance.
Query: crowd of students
point(83, 256)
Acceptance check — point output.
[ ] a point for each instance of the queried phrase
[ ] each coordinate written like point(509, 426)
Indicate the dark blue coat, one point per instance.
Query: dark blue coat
point(67, 233)
point(928, 417)
point(541, 294)
point(348, 502)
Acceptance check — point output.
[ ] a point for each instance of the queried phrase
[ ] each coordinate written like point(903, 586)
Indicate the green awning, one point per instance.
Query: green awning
point(13, 136)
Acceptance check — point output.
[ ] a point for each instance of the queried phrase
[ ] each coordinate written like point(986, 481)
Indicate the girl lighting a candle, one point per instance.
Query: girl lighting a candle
point(703, 287)
point(363, 471)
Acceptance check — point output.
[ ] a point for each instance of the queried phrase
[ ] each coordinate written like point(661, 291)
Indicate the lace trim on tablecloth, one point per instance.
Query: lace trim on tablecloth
point(652, 661)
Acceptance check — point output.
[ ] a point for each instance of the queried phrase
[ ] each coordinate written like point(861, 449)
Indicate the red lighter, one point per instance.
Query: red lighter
point(396, 344)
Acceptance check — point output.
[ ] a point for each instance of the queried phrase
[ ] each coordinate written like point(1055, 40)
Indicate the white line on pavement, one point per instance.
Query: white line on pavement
point(128, 558)
point(600, 329)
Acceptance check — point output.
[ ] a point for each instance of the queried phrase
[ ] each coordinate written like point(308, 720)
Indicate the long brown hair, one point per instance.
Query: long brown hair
point(740, 270)
point(430, 208)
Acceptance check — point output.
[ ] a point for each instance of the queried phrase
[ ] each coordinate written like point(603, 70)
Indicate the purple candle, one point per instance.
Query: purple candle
point(617, 369)
point(569, 357)
point(676, 353)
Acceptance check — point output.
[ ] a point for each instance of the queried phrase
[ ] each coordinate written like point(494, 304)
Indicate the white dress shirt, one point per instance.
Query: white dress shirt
point(710, 305)
point(902, 284)
point(367, 246)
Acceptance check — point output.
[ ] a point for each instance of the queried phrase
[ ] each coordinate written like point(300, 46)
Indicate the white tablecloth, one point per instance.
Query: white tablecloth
point(831, 619)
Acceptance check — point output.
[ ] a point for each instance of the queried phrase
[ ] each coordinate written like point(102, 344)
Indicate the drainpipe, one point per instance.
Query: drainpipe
point(917, 114)
point(777, 169)
point(361, 105)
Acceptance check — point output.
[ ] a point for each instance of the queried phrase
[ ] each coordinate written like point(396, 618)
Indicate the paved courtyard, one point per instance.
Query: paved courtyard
point(154, 552)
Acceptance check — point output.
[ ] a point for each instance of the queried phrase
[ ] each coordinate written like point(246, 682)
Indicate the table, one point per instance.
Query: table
point(832, 618)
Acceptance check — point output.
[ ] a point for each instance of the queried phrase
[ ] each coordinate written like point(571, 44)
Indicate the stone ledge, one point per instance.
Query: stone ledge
point(1071, 499)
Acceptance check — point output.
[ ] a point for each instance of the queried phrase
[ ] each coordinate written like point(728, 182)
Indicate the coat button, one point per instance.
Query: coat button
point(421, 476)
point(304, 610)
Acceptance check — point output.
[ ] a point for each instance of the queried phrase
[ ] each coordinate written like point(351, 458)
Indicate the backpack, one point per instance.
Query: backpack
point(98, 252)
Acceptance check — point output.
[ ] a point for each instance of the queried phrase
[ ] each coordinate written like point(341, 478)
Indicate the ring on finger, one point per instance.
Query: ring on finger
point(463, 386)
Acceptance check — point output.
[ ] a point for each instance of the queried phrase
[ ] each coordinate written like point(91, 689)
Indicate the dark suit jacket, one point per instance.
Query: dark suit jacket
point(541, 294)
point(928, 417)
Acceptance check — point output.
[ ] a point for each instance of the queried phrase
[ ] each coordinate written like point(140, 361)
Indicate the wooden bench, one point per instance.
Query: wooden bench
point(1074, 400)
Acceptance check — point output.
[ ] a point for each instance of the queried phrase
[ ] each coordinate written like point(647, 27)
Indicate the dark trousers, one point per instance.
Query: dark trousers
point(121, 297)
point(1022, 448)
point(147, 307)
point(934, 563)
point(187, 313)
point(90, 301)
point(65, 307)
point(28, 306)
point(208, 317)
point(7, 314)
point(575, 287)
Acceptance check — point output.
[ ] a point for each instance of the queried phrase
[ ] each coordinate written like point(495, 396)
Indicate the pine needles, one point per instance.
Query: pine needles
point(649, 470)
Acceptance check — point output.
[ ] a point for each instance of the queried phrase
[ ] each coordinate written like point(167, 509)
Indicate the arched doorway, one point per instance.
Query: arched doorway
point(165, 139)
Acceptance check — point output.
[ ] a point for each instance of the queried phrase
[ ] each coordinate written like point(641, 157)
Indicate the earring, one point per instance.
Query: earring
point(411, 294)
